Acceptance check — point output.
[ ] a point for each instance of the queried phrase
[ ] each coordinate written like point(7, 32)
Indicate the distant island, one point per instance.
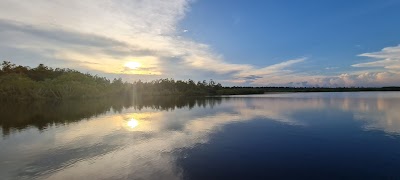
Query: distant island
point(42, 82)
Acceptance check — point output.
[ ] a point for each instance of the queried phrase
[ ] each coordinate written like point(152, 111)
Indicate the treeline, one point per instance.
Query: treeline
point(42, 82)
point(311, 89)
point(163, 87)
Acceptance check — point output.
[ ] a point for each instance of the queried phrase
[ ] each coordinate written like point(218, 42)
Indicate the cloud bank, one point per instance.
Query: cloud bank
point(382, 69)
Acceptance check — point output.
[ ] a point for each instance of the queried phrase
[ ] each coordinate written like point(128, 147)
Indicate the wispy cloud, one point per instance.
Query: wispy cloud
point(381, 70)
point(331, 68)
point(388, 58)
point(107, 34)
point(265, 75)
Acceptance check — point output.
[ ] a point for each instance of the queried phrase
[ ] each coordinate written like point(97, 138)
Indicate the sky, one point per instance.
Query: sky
point(331, 43)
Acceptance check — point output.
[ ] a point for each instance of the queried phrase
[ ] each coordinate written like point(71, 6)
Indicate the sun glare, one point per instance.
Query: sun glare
point(132, 65)
point(132, 123)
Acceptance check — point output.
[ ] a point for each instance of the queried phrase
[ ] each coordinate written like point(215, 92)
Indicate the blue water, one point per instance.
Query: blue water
point(277, 136)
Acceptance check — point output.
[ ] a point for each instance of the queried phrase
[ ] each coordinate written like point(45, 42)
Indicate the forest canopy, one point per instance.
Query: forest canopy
point(42, 82)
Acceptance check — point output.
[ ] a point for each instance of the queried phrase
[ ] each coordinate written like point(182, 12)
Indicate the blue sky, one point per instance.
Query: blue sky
point(268, 32)
point(269, 42)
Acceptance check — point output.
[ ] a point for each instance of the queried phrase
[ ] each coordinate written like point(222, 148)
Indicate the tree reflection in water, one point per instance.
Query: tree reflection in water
point(19, 116)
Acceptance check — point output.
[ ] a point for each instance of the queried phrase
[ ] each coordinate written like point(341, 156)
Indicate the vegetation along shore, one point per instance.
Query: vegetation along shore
point(42, 82)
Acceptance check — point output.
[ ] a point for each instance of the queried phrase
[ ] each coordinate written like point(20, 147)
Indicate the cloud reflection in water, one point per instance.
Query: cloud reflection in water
point(145, 143)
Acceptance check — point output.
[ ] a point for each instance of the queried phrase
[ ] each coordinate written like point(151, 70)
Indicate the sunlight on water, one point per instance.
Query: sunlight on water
point(178, 139)
point(133, 123)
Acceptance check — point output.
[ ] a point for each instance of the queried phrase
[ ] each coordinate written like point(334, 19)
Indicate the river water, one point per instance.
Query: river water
point(278, 136)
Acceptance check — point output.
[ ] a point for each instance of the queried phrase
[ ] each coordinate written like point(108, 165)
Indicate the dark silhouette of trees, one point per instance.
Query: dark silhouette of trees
point(42, 82)
point(162, 87)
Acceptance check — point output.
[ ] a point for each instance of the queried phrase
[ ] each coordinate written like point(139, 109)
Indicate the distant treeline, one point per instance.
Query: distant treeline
point(163, 87)
point(312, 89)
point(23, 83)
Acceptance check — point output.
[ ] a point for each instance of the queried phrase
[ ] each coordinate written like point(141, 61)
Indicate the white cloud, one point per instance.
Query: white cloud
point(139, 25)
point(276, 68)
point(102, 35)
point(388, 58)
point(383, 71)
point(117, 19)
point(267, 75)
point(367, 79)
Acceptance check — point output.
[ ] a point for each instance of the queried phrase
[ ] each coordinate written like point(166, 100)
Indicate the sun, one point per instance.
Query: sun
point(133, 65)
point(132, 123)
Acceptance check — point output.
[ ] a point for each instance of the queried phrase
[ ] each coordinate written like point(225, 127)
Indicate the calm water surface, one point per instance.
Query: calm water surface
point(277, 136)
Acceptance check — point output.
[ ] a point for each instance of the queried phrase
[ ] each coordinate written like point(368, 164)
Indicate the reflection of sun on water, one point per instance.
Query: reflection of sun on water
point(139, 122)
point(132, 123)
